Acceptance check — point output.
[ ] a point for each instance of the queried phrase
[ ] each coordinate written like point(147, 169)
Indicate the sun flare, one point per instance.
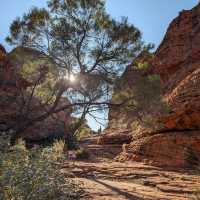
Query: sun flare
point(72, 78)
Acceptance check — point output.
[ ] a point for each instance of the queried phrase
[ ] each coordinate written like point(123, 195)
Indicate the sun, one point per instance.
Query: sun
point(72, 78)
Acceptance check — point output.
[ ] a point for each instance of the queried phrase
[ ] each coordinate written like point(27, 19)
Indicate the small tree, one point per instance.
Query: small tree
point(88, 49)
point(143, 89)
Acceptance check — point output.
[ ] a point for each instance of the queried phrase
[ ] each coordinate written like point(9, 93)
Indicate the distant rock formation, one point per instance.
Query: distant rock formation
point(177, 61)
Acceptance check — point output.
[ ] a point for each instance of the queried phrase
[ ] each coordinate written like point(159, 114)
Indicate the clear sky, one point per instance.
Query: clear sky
point(152, 17)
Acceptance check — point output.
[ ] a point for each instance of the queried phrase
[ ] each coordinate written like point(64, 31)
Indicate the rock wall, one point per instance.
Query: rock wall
point(177, 61)
point(12, 85)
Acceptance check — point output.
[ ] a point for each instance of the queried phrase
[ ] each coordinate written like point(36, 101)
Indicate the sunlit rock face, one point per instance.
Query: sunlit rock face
point(170, 149)
point(178, 54)
point(177, 61)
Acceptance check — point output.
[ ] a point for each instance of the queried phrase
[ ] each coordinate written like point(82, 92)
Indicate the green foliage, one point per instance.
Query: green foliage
point(4, 144)
point(38, 71)
point(83, 132)
point(78, 129)
point(79, 37)
point(142, 65)
point(154, 78)
point(142, 96)
point(35, 174)
point(98, 39)
point(135, 125)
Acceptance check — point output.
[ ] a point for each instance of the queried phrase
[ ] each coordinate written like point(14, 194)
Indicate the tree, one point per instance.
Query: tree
point(143, 88)
point(89, 51)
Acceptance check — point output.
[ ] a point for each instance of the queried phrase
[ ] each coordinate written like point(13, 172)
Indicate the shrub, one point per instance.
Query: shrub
point(83, 132)
point(82, 154)
point(71, 142)
point(35, 174)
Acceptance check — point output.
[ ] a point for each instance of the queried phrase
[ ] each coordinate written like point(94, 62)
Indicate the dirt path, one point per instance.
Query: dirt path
point(104, 179)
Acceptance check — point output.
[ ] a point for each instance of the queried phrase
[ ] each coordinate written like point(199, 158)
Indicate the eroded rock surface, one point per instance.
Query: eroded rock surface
point(177, 62)
point(176, 143)
point(12, 86)
point(104, 179)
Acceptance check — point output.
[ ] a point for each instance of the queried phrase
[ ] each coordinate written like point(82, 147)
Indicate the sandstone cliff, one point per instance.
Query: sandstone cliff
point(177, 62)
point(13, 86)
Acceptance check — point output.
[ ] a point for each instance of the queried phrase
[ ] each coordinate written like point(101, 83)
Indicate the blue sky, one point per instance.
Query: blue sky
point(152, 17)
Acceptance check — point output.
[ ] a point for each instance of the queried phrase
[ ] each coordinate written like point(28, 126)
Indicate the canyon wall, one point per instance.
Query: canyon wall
point(176, 143)
point(14, 89)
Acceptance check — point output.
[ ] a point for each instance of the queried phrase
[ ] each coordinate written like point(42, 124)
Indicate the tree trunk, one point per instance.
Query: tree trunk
point(17, 135)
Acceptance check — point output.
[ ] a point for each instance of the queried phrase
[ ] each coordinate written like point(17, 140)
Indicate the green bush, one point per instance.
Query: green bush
point(142, 95)
point(83, 132)
point(35, 174)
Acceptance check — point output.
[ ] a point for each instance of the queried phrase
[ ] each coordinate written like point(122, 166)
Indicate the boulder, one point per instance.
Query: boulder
point(116, 138)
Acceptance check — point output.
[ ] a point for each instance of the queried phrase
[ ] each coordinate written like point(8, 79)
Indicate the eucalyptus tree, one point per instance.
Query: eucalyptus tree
point(88, 48)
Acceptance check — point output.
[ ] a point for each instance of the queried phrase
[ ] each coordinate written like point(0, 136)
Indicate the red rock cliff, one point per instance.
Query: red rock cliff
point(11, 86)
point(177, 61)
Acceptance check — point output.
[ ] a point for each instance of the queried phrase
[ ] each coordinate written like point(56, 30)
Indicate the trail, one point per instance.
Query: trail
point(105, 179)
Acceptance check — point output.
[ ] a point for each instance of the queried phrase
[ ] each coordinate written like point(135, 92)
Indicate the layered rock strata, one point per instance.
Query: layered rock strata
point(177, 62)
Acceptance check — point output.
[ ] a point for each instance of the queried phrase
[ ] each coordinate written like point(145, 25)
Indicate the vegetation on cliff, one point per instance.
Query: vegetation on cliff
point(142, 90)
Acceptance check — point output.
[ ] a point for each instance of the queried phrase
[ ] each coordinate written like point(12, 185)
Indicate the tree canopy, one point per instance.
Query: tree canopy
point(87, 47)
